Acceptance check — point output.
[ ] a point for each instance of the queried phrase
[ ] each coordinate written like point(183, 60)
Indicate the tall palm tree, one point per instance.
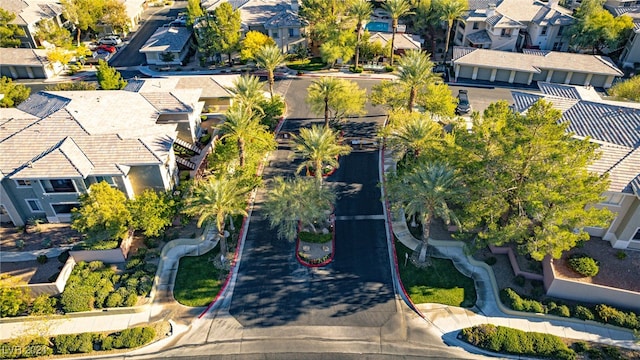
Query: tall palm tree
point(248, 91)
point(450, 10)
point(241, 124)
point(318, 146)
point(269, 57)
point(285, 209)
point(213, 198)
point(361, 10)
point(416, 71)
point(396, 9)
point(427, 192)
point(324, 88)
point(412, 132)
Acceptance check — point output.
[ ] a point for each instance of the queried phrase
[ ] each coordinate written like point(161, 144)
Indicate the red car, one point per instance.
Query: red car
point(108, 48)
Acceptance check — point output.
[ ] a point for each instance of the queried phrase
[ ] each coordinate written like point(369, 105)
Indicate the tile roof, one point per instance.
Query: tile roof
point(526, 11)
point(569, 92)
point(502, 21)
point(167, 39)
point(481, 4)
point(402, 41)
point(43, 104)
point(606, 123)
point(479, 37)
point(32, 11)
point(165, 102)
point(286, 18)
point(22, 57)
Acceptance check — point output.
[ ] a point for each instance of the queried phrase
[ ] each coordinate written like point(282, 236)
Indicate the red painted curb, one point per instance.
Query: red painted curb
point(333, 247)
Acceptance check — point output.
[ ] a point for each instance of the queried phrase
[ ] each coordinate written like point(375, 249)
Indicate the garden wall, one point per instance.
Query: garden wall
point(54, 288)
point(586, 292)
point(514, 262)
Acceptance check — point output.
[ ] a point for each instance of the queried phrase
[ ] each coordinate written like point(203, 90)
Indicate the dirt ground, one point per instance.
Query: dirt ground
point(43, 236)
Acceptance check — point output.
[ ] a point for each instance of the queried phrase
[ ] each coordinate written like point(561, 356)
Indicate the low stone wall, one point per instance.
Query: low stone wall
point(56, 287)
point(112, 256)
point(586, 292)
point(514, 262)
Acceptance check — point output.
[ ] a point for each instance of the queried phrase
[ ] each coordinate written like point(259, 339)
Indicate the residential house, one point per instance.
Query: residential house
point(402, 43)
point(277, 18)
point(534, 65)
point(167, 46)
point(615, 127)
point(55, 145)
point(630, 56)
point(23, 63)
point(29, 13)
point(510, 25)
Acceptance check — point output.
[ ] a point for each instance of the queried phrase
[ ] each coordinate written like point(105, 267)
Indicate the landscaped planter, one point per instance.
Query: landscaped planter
point(315, 242)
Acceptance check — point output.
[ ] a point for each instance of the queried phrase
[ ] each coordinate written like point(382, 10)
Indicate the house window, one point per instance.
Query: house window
point(476, 25)
point(461, 24)
point(557, 46)
point(614, 199)
point(107, 179)
point(274, 34)
point(543, 31)
point(294, 32)
point(58, 186)
point(64, 208)
point(23, 183)
point(34, 205)
point(560, 30)
point(505, 32)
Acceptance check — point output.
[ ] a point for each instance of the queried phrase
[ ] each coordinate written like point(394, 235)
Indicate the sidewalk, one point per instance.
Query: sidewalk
point(450, 319)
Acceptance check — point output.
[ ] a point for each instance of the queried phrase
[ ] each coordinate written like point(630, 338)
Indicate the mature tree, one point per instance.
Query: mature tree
point(253, 41)
point(426, 20)
point(285, 210)
point(84, 14)
point(396, 10)
point(247, 90)
point(9, 33)
point(108, 77)
point(596, 28)
point(412, 132)
point(269, 58)
point(151, 212)
point(628, 89)
point(450, 11)
point(14, 94)
point(242, 125)
point(226, 29)
point(114, 14)
point(194, 11)
point(435, 98)
point(59, 55)
point(427, 192)
point(336, 97)
point(72, 86)
point(318, 146)
point(325, 17)
point(50, 32)
point(213, 199)
point(339, 45)
point(416, 71)
point(529, 180)
point(371, 50)
point(103, 213)
point(361, 11)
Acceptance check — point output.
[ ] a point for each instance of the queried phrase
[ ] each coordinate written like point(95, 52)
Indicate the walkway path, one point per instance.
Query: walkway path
point(489, 310)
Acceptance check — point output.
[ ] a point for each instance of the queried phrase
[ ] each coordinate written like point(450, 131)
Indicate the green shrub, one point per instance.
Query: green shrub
point(611, 315)
point(612, 352)
point(25, 348)
point(510, 298)
point(314, 238)
point(491, 261)
point(580, 347)
point(356, 69)
point(42, 259)
point(71, 344)
point(130, 300)
point(129, 338)
point(389, 68)
point(134, 263)
point(621, 255)
point(561, 310)
point(113, 300)
point(584, 265)
point(519, 280)
point(583, 313)
point(151, 242)
point(43, 305)
point(77, 298)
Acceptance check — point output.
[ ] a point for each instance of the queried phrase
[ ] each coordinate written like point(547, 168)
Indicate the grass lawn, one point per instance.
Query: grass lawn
point(440, 283)
point(312, 64)
point(197, 281)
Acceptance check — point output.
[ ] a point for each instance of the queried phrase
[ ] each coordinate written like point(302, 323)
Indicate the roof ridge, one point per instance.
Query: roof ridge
point(21, 130)
point(66, 140)
point(624, 158)
point(38, 156)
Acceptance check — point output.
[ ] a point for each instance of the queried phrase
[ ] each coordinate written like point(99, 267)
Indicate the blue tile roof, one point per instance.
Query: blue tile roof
point(43, 104)
point(564, 91)
point(613, 124)
point(523, 101)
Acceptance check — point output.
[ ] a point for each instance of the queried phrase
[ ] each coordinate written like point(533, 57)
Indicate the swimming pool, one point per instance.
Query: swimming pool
point(377, 26)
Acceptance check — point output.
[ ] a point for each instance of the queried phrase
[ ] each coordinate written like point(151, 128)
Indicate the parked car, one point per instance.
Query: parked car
point(107, 48)
point(464, 106)
point(110, 40)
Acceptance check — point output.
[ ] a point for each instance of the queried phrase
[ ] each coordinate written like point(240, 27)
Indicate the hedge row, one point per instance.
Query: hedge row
point(76, 343)
point(513, 341)
point(602, 313)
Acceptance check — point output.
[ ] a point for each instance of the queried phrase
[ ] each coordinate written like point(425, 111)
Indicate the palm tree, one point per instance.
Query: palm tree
point(416, 71)
point(269, 57)
point(248, 91)
point(427, 192)
point(285, 209)
point(451, 10)
point(241, 124)
point(361, 10)
point(324, 88)
point(396, 9)
point(213, 198)
point(318, 146)
point(412, 132)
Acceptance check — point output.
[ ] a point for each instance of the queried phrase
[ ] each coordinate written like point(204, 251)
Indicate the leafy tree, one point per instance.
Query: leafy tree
point(318, 146)
point(252, 42)
point(114, 14)
point(426, 192)
point(194, 11)
point(241, 124)
point(338, 45)
point(361, 10)
point(226, 29)
point(628, 89)
point(416, 71)
point(108, 77)
point(449, 11)
point(10, 33)
point(103, 213)
point(412, 133)
point(72, 86)
point(596, 27)
point(528, 180)
point(325, 17)
point(437, 99)
point(213, 199)
point(285, 209)
point(151, 212)
point(59, 55)
point(50, 32)
point(371, 50)
point(84, 14)
point(396, 10)
point(269, 58)
point(13, 299)
point(14, 94)
point(341, 97)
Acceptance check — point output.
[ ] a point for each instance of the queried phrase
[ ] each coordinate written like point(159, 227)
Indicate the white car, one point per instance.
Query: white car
point(110, 40)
